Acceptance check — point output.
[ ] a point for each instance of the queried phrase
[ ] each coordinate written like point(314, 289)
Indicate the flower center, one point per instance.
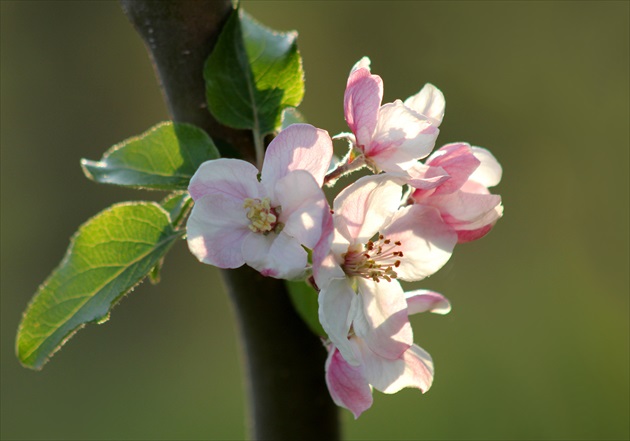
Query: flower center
point(263, 217)
point(375, 260)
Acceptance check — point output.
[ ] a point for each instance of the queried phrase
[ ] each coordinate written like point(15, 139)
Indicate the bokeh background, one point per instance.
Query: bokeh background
point(536, 346)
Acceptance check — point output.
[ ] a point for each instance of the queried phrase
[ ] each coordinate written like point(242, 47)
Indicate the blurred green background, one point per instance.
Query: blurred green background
point(537, 344)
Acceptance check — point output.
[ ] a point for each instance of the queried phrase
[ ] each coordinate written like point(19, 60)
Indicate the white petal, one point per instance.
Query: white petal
point(427, 242)
point(365, 206)
point(422, 300)
point(381, 319)
point(232, 177)
point(428, 102)
point(401, 137)
point(216, 229)
point(298, 147)
point(413, 369)
point(335, 302)
point(303, 206)
point(275, 255)
point(489, 172)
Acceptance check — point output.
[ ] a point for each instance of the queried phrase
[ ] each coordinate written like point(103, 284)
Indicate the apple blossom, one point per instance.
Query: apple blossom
point(264, 223)
point(463, 199)
point(395, 135)
point(357, 265)
point(350, 386)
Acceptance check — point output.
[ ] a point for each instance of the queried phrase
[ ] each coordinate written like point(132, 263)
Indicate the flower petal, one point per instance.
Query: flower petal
point(381, 318)
point(428, 102)
point(424, 177)
point(303, 207)
point(401, 137)
point(362, 208)
point(413, 369)
point(489, 172)
point(458, 161)
point(216, 229)
point(335, 302)
point(427, 242)
point(347, 384)
point(275, 255)
point(361, 102)
point(232, 177)
point(298, 147)
point(422, 300)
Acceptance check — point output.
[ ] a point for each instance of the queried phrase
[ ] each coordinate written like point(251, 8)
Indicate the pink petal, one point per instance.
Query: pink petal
point(427, 242)
point(422, 300)
point(298, 147)
point(362, 208)
point(275, 255)
point(347, 384)
point(381, 318)
point(321, 253)
point(458, 161)
point(424, 177)
point(471, 208)
point(361, 101)
point(335, 302)
point(401, 137)
point(428, 102)
point(414, 368)
point(232, 177)
point(303, 205)
point(362, 65)
point(216, 229)
point(489, 172)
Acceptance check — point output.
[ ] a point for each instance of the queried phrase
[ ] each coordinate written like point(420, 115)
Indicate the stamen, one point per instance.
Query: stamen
point(374, 260)
point(263, 217)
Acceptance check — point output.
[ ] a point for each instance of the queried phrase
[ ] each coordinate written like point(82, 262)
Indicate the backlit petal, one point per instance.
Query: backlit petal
point(428, 102)
point(422, 300)
point(427, 242)
point(335, 302)
point(298, 147)
point(232, 177)
point(381, 318)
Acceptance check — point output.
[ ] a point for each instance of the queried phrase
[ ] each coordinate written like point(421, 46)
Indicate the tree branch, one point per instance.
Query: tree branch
point(284, 361)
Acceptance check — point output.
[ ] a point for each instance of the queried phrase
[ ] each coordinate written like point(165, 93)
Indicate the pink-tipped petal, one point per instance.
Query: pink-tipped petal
point(428, 102)
point(489, 172)
point(216, 228)
point(458, 161)
point(275, 255)
point(401, 137)
point(471, 208)
point(424, 177)
point(336, 300)
point(365, 206)
point(381, 318)
point(422, 300)
point(361, 101)
point(427, 242)
point(232, 177)
point(362, 65)
point(298, 147)
point(347, 384)
point(324, 265)
point(303, 207)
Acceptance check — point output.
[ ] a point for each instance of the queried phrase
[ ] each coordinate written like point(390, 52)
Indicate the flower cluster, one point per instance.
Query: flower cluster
point(401, 223)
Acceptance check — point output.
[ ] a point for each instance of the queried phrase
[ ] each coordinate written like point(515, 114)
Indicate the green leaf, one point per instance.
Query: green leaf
point(163, 158)
point(304, 299)
point(178, 206)
point(109, 255)
point(252, 74)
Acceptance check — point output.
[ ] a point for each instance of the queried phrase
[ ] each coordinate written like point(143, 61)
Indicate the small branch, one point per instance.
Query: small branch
point(344, 169)
point(284, 361)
